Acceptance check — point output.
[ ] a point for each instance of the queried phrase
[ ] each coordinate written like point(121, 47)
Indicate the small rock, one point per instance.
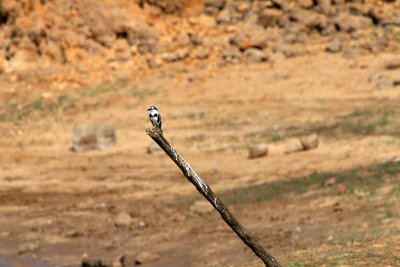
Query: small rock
point(352, 52)
point(194, 40)
point(142, 224)
point(192, 77)
point(123, 220)
point(258, 151)
point(381, 81)
point(231, 55)
point(28, 248)
point(202, 53)
point(309, 142)
point(279, 75)
point(326, 7)
point(334, 46)
point(282, 4)
point(360, 193)
point(393, 63)
point(212, 7)
point(286, 50)
point(338, 2)
point(348, 23)
point(270, 17)
point(254, 55)
point(146, 257)
point(177, 55)
point(292, 146)
point(88, 137)
point(153, 148)
point(74, 234)
point(154, 62)
point(211, 10)
point(330, 181)
point(306, 3)
point(250, 35)
point(119, 261)
point(242, 7)
point(94, 263)
point(201, 207)
point(224, 17)
point(215, 3)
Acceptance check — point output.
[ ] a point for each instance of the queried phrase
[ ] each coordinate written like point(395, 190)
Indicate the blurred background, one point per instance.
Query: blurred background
point(288, 109)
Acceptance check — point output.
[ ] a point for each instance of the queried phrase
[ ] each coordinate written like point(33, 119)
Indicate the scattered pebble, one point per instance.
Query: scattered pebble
point(28, 248)
point(146, 257)
point(393, 63)
point(123, 220)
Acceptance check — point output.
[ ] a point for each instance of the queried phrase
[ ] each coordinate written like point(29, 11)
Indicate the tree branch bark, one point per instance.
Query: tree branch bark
point(201, 186)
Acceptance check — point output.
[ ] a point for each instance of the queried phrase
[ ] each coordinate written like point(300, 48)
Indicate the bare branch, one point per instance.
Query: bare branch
point(201, 186)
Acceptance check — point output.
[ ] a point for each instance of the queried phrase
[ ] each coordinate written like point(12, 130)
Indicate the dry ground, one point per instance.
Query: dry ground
point(67, 203)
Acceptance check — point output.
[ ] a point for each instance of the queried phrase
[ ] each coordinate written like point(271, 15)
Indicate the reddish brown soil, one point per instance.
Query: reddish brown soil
point(67, 203)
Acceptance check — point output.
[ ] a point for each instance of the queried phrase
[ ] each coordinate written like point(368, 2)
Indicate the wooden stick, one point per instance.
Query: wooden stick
point(201, 186)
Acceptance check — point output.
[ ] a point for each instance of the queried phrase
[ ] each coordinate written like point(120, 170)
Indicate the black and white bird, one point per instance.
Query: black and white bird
point(155, 116)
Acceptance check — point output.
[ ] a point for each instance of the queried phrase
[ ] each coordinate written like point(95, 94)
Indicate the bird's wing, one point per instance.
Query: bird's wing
point(159, 120)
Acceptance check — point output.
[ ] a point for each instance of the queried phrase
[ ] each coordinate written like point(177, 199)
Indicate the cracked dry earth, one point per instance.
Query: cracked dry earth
point(57, 207)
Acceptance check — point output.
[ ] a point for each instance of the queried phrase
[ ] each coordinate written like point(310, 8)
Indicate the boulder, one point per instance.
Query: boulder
point(347, 22)
point(334, 46)
point(258, 151)
point(212, 7)
point(250, 35)
point(270, 17)
point(293, 145)
point(89, 137)
point(326, 7)
point(309, 142)
point(224, 17)
point(231, 55)
point(254, 55)
point(393, 63)
point(177, 55)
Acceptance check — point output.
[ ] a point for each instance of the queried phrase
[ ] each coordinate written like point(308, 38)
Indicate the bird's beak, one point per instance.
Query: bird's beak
point(148, 109)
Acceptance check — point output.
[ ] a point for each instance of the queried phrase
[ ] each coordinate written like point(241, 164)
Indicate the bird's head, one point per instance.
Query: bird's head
point(152, 108)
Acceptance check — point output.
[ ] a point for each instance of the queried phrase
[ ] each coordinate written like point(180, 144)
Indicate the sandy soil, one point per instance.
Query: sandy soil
point(67, 203)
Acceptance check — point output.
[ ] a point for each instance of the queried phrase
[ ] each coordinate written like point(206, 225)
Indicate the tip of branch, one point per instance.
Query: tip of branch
point(153, 132)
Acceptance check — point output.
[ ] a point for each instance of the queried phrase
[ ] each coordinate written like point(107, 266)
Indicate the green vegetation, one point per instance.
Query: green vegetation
point(366, 179)
point(96, 90)
point(43, 107)
point(189, 115)
point(141, 94)
point(299, 263)
point(380, 119)
point(343, 256)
